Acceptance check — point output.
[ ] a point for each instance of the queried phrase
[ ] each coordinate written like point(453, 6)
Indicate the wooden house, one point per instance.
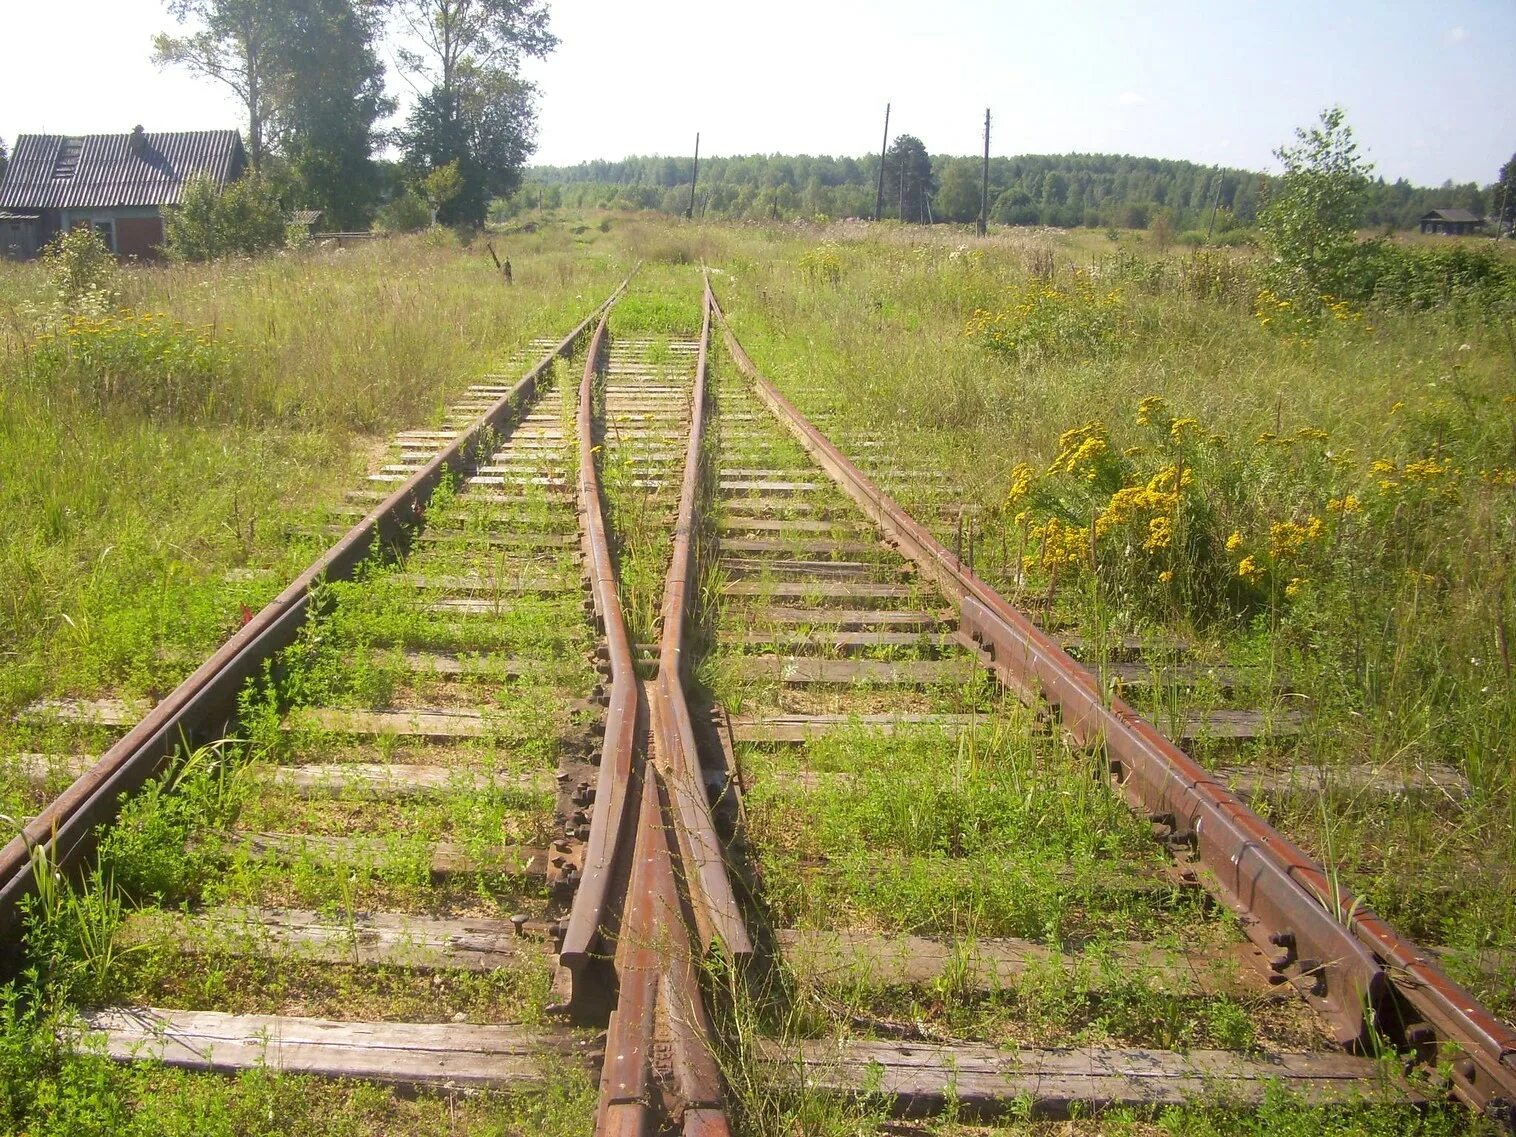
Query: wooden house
point(118, 183)
point(1451, 222)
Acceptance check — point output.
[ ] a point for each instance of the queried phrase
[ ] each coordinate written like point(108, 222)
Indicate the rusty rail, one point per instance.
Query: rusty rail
point(1344, 958)
point(203, 705)
point(592, 916)
point(659, 1071)
point(718, 918)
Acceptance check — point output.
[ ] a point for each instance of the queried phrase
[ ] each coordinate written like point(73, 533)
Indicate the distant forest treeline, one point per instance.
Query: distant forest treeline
point(1094, 190)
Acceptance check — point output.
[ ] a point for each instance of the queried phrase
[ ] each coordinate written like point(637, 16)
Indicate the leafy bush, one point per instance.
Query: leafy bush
point(1396, 276)
point(241, 219)
point(1310, 223)
point(82, 272)
point(142, 361)
point(406, 213)
point(1042, 320)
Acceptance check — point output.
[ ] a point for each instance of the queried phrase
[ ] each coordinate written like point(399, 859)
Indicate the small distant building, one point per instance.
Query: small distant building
point(306, 219)
point(1451, 222)
point(118, 183)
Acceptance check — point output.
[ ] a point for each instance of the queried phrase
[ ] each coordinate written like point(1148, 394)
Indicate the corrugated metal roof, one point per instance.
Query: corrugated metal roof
point(51, 171)
point(1451, 215)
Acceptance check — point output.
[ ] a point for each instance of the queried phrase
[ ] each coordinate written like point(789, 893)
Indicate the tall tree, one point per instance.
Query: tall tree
point(908, 178)
point(958, 200)
point(486, 127)
point(1309, 225)
point(1503, 194)
point(329, 92)
point(458, 38)
point(311, 81)
point(233, 44)
point(475, 109)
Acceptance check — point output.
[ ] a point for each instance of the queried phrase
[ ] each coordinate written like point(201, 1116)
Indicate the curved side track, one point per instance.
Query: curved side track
point(717, 917)
point(201, 708)
point(1312, 932)
point(659, 1072)
point(591, 920)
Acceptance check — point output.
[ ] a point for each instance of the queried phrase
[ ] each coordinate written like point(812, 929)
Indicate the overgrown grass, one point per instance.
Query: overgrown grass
point(1163, 451)
point(124, 514)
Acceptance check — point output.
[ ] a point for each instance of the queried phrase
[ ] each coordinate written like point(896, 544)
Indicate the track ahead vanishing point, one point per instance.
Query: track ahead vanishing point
point(809, 727)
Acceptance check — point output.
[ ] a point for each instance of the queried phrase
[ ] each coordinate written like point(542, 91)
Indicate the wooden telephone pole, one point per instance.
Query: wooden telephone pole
point(694, 177)
point(984, 184)
point(1215, 203)
point(883, 149)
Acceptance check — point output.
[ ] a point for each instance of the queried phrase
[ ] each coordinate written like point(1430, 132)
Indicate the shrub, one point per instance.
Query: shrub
point(141, 361)
point(1394, 276)
point(1309, 224)
point(82, 272)
point(407, 213)
point(210, 222)
point(1043, 320)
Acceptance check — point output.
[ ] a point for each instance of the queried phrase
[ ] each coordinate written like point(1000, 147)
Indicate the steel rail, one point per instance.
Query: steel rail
point(1309, 927)
point(659, 1070)
point(659, 1057)
point(204, 704)
point(718, 917)
point(591, 918)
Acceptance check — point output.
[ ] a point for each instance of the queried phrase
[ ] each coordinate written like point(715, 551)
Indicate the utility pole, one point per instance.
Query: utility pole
point(694, 177)
point(1215, 204)
point(1505, 197)
point(883, 149)
point(984, 183)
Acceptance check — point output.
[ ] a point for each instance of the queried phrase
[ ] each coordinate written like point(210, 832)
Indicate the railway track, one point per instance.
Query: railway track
point(653, 676)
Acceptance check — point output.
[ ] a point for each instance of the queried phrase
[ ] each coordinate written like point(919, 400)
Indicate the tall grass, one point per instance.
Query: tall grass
point(1391, 613)
point(127, 493)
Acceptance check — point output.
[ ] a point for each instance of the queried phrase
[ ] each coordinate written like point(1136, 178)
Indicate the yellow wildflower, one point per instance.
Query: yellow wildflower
point(1180, 426)
point(1150, 410)
point(1289, 538)
point(1160, 533)
point(1234, 542)
point(1166, 576)
point(1021, 484)
point(1295, 587)
point(1426, 469)
point(1250, 570)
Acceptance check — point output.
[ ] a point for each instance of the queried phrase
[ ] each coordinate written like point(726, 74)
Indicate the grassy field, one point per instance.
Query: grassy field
point(153, 458)
point(1332, 502)
point(1137, 442)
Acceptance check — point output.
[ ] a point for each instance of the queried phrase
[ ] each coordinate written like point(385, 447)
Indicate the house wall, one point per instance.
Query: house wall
point(20, 240)
point(139, 237)
point(135, 231)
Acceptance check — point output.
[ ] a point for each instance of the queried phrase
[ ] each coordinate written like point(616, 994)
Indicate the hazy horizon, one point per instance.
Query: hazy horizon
point(1180, 80)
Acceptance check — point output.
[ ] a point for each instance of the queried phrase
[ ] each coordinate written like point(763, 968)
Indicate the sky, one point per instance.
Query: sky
point(1426, 87)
